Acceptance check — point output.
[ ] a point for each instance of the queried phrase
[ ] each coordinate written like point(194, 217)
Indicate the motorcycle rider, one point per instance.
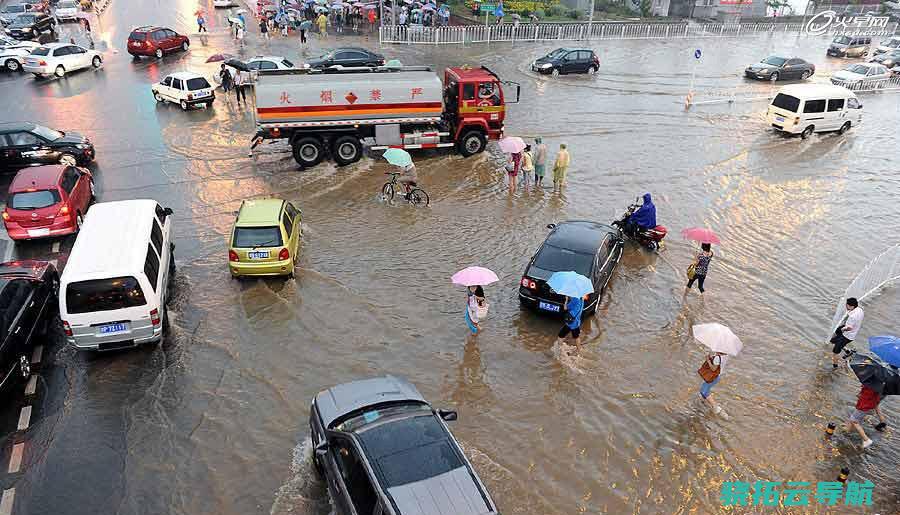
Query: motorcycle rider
point(642, 219)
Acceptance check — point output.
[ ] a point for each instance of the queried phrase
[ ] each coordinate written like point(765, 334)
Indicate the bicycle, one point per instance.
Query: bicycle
point(414, 195)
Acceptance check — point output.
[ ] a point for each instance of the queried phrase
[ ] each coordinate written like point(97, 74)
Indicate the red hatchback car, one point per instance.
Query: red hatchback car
point(155, 41)
point(46, 201)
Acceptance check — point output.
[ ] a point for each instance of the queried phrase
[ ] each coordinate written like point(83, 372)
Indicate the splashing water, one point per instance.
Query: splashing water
point(880, 272)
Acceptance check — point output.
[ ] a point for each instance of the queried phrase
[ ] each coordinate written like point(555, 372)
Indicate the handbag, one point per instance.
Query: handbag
point(482, 310)
point(707, 372)
point(691, 270)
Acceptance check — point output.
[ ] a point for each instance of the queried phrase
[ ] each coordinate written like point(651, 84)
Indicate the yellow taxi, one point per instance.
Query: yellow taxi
point(265, 239)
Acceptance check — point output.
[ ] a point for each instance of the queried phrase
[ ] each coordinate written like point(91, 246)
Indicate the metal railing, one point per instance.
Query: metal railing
point(889, 84)
point(509, 32)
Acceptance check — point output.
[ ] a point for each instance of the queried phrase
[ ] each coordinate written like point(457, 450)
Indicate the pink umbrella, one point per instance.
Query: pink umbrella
point(701, 234)
point(474, 276)
point(512, 144)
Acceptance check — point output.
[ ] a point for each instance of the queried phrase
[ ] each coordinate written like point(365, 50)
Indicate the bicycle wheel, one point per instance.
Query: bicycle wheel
point(418, 197)
point(387, 192)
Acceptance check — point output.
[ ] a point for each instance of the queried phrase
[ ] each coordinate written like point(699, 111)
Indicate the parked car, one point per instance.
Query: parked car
point(13, 53)
point(849, 46)
point(10, 42)
point(346, 57)
point(10, 12)
point(66, 10)
point(47, 201)
point(31, 25)
point(567, 60)
point(384, 450)
point(269, 63)
point(156, 41)
point(861, 74)
point(37, 5)
point(775, 68)
point(807, 108)
point(28, 144)
point(224, 3)
point(592, 249)
point(185, 89)
point(888, 59)
point(28, 291)
point(59, 59)
point(265, 239)
point(888, 45)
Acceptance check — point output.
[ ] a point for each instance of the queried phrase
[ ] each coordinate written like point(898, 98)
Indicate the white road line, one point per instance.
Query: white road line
point(55, 247)
point(6, 503)
point(36, 356)
point(31, 387)
point(24, 418)
point(15, 461)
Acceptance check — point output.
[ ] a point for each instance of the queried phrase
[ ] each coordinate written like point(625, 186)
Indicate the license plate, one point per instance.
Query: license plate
point(780, 118)
point(113, 328)
point(263, 254)
point(37, 233)
point(547, 306)
point(203, 93)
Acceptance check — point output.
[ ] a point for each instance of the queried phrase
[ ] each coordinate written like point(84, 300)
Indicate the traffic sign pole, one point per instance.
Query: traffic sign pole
point(690, 98)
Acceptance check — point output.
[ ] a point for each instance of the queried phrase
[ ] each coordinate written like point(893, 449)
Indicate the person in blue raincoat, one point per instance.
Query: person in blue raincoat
point(643, 218)
point(572, 315)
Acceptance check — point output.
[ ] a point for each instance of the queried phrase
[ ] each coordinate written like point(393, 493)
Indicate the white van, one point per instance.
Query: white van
point(807, 108)
point(113, 290)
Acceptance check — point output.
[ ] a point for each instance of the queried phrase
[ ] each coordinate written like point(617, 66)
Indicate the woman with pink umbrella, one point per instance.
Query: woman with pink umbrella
point(476, 305)
point(512, 145)
point(698, 269)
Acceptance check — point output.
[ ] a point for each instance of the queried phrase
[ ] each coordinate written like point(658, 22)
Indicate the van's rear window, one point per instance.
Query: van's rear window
point(104, 295)
point(248, 237)
point(138, 36)
point(786, 102)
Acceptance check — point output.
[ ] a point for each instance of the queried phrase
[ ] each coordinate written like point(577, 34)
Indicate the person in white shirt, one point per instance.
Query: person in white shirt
point(846, 332)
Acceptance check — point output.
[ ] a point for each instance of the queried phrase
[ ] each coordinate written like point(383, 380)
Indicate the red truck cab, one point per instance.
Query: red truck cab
point(475, 106)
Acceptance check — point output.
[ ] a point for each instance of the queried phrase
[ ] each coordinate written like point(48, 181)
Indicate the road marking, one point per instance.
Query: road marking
point(24, 418)
point(31, 387)
point(55, 247)
point(6, 503)
point(36, 356)
point(15, 461)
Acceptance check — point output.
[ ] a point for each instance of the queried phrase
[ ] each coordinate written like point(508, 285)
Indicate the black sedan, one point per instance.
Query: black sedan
point(346, 57)
point(29, 144)
point(592, 249)
point(28, 292)
point(31, 25)
point(780, 68)
point(567, 60)
point(889, 59)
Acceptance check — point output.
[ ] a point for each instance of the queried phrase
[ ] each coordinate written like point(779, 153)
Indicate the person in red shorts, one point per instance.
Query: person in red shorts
point(866, 402)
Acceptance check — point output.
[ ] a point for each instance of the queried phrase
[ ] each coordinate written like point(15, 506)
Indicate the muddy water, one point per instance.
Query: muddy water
point(214, 421)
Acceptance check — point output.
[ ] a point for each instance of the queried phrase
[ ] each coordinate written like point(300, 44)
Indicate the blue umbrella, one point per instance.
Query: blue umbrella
point(570, 284)
point(398, 157)
point(886, 348)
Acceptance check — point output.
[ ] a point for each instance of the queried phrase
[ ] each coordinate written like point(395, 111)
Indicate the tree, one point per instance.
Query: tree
point(645, 7)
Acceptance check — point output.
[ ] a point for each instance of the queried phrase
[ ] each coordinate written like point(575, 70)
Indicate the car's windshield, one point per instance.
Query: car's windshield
point(14, 8)
point(23, 20)
point(197, 83)
point(248, 237)
point(30, 200)
point(556, 259)
point(843, 40)
point(104, 295)
point(786, 102)
point(287, 63)
point(368, 416)
point(557, 53)
point(66, 4)
point(774, 61)
point(47, 134)
point(857, 68)
point(41, 50)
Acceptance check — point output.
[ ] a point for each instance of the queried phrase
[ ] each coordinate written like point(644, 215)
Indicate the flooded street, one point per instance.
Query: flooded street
point(215, 420)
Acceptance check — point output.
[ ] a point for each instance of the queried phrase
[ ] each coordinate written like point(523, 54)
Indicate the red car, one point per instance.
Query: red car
point(46, 201)
point(155, 41)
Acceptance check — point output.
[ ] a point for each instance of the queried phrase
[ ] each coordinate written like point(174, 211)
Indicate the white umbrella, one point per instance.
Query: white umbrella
point(718, 338)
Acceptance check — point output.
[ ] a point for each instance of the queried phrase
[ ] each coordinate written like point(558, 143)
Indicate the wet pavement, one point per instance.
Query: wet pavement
point(214, 420)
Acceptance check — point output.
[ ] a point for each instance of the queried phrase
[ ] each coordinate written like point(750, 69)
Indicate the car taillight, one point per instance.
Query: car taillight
point(284, 254)
point(528, 283)
point(67, 328)
point(232, 256)
point(154, 316)
point(5, 215)
point(42, 63)
point(63, 211)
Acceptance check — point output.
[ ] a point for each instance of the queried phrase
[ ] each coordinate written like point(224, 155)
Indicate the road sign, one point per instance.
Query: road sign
point(697, 54)
point(488, 8)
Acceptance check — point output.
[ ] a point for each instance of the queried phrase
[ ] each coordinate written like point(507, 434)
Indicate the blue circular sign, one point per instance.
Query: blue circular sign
point(697, 54)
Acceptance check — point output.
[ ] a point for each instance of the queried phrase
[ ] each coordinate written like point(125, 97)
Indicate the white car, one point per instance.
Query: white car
point(856, 74)
point(268, 63)
point(59, 59)
point(13, 52)
point(224, 3)
point(66, 10)
point(184, 88)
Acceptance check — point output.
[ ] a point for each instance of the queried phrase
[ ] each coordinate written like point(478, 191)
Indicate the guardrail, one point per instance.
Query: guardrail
point(866, 85)
point(509, 32)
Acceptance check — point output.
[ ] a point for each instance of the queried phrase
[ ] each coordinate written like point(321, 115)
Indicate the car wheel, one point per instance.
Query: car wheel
point(60, 71)
point(308, 151)
point(592, 70)
point(24, 367)
point(158, 53)
point(555, 72)
point(68, 160)
point(805, 75)
point(807, 132)
point(773, 77)
point(184, 105)
point(346, 150)
point(184, 46)
point(158, 97)
point(13, 65)
point(844, 128)
point(472, 143)
point(96, 61)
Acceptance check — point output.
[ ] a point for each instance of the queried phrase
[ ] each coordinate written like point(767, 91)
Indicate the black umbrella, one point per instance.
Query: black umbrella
point(892, 383)
point(870, 372)
point(237, 64)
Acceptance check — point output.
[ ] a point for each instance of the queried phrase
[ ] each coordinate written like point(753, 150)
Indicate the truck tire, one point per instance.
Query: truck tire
point(346, 150)
point(308, 151)
point(472, 142)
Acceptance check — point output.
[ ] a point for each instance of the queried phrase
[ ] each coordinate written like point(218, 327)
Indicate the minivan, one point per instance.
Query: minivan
point(888, 45)
point(115, 284)
point(807, 108)
point(849, 46)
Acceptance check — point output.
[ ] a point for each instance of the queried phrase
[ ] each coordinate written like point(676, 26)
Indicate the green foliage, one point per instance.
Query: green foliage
point(575, 14)
point(557, 10)
point(645, 7)
point(540, 14)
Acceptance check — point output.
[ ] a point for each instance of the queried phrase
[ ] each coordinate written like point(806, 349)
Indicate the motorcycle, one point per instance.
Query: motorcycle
point(650, 238)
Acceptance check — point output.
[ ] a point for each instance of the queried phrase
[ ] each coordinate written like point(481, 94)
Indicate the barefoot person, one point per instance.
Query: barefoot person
point(711, 372)
point(846, 332)
point(866, 402)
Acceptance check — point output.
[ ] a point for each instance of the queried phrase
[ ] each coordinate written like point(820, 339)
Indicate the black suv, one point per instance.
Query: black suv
point(592, 249)
point(28, 292)
point(346, 57)
point(31, 25)
point(29, 144)
point(567, 60)
point(384, 450)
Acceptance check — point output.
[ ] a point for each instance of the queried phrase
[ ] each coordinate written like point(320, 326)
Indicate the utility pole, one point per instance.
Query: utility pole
point(591, 17)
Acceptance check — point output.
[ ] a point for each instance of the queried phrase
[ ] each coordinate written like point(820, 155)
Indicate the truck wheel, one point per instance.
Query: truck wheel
point(346, 150)
point(472, 143)
point(308, 151)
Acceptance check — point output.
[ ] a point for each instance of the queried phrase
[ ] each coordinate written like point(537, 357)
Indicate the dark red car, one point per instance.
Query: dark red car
point(47, 201)
point(155, 41)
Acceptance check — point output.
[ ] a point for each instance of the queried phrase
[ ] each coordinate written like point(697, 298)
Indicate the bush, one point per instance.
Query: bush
point(575, 14)
point(557, 10)
point(540, 14)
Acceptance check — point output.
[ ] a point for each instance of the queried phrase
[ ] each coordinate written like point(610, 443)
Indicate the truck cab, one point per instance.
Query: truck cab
point(474, 106)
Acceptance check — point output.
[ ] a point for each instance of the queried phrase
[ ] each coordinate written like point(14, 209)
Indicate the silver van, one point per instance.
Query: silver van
point(849, 46)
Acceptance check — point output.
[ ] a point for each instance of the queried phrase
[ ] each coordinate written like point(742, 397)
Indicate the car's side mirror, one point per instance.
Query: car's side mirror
point(551, 226)
point(168, 211)
point(447, 415)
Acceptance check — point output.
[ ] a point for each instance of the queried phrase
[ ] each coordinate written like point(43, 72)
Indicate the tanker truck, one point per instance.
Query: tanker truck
point(336, 112)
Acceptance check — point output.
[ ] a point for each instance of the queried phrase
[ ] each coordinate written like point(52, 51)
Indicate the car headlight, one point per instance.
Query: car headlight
point(26, 29)
point(82, 146)
point(546, 65)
